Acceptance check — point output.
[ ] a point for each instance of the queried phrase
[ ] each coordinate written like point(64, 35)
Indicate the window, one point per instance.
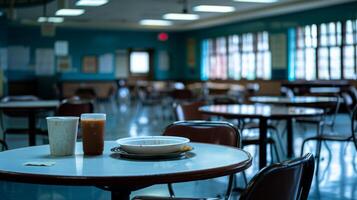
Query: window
point(326, 51)
point(235, 57)
point(139, 62)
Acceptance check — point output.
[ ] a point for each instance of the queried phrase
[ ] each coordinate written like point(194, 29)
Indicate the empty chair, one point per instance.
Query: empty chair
point(86, 93)
point(289, 180)
point(350, 136)
point(75, 107)
point(189, 111)
point(182, 94)
point(222, 133)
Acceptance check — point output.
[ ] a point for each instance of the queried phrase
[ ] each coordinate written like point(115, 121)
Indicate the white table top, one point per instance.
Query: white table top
point(259, 111)
point(31, 104)
point(293, 100)
point(207, 157)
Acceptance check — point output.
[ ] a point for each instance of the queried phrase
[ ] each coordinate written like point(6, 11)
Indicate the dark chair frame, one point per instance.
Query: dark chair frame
point(323, 137)
point(198, 123)
point(303, 166)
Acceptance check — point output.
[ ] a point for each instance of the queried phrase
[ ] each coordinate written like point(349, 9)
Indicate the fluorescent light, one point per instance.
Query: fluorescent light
point(155, 22)
point(91, 2)
point(257, 1)
point(213, 8)
point(50, 19)
point(42, 19)
point(181, 16)
point(69, 12)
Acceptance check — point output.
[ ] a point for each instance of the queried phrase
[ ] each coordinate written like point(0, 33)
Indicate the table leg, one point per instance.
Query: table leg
point(263, 128)
point(120, 195)
point(290, 145)
point(32, 128)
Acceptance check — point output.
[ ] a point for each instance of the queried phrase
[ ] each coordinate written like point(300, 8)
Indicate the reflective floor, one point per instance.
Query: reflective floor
point(337, 179)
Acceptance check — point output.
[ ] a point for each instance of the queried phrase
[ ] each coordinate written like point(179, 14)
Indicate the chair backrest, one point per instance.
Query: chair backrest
point(354, 127)
point(281, 181)
point(222, 133)
point(353, 92)
point(86, 93)
point(225, 100)
point(189, 111)
point(182, 94)
point(75, 107)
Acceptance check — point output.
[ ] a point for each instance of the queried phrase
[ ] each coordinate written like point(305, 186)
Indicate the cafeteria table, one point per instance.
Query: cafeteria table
point(118, 175)
point(263, 113)
point(295, 101)
point(30, 108)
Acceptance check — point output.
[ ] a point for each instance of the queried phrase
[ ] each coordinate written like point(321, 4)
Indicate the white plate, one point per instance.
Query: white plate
point(152, 144)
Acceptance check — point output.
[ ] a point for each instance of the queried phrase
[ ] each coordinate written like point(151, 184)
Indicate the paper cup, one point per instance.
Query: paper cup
point(62, 134)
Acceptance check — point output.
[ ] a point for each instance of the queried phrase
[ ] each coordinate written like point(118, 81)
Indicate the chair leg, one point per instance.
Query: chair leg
point(280, 142)
point(276, 152)
point(318, 151)
point(229, 187)
point(302, 147)
point(171, 190)
point(245, 179)
point(4, 145)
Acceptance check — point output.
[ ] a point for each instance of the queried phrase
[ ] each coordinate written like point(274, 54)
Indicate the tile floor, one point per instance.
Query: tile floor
point(337, 180)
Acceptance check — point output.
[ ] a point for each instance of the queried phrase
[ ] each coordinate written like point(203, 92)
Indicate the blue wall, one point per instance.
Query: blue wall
point(275, 24)
point(84, 42)
point(96, 42)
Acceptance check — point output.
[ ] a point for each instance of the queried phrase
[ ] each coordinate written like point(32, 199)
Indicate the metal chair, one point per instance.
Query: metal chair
point(337, 137)
point(222, 133)
point(75, 107)
point(189, 111)
point(287, 180)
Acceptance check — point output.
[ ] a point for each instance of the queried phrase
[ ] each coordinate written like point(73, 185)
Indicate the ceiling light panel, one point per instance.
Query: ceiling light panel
point(214, 8)
point(50, 19)
point(69, 12)
point(155, 22)
point(91, 2)
point(181, 16)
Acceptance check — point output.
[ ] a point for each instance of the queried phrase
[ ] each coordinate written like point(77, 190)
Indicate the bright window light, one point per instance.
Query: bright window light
point(139, 62)
point(50, 19)
point(69, 12)
point(213, 8)
point(91, 2)
point(155, 22)
point(257, 1)
point(181, 16)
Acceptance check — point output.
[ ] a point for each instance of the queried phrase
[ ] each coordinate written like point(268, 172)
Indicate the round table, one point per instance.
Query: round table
point(295, 101)
point(119, 175)
point(30, 108)
point(263, 113)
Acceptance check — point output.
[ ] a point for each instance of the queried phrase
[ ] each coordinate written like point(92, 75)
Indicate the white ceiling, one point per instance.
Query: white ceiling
point(127, 13)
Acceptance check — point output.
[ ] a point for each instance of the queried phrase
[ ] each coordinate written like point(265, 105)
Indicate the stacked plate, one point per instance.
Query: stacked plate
point(152, 147)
